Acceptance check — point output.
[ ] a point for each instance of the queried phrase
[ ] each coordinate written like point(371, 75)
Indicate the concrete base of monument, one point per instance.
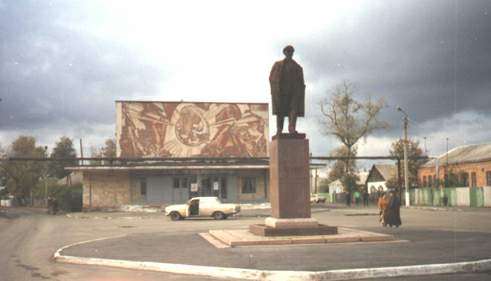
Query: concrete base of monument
point(288, 227)
point(242, 237)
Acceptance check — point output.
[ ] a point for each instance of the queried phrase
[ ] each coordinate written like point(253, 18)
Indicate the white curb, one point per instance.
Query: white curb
point(277, 275)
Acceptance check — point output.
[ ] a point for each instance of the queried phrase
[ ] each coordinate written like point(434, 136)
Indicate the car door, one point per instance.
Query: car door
point(207, 207)
point(194, 207)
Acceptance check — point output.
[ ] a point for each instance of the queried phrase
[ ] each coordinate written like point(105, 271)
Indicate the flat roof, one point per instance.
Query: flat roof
point(166, 168)
point(185, 101)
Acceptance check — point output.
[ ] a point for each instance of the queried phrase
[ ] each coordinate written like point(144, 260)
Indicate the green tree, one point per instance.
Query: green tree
point(338, 169)
point(109, 149)
point(392, 183)
point(22, 175)
point(413, 150)
point(63, 150)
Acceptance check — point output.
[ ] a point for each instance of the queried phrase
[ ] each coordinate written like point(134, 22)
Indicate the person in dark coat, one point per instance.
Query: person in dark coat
point(392, 215)
point(287, 91)
point(365, 197)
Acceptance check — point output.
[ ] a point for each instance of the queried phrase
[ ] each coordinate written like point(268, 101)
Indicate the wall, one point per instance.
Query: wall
point(376, 184)
point(109, 189)
point(191, 129)
point(479, 168)
point(106, 189)
point(259, 196)
point(457, 196)
point(487, 196)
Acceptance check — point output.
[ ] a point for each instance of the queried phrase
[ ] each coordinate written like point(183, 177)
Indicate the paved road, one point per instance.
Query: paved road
point(29, 238)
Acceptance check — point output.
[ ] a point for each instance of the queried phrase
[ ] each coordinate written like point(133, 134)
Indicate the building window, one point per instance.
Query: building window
point(473, 179)
point(488, 178)
point(424, 181)
point(464, 179)
point(184, 183)
point(143, 187)
point(175, 183)
point(249, 185)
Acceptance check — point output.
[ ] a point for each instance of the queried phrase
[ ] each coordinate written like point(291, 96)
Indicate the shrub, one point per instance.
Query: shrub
point(69, 197)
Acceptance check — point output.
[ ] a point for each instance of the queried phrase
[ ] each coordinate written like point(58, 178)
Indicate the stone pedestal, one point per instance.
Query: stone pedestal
point(290, 190)
point(289, 176)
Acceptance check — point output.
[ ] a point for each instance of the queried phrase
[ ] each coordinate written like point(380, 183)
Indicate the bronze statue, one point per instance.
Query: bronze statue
point(287, 91)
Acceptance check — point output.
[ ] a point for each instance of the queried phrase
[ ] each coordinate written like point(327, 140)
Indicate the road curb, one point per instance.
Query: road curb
point(275, 275)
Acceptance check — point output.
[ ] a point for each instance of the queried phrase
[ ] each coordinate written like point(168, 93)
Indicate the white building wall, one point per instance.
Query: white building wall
point(376, 185)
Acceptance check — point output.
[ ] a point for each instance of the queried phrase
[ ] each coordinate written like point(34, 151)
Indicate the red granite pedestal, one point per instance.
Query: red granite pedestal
point(289, 190)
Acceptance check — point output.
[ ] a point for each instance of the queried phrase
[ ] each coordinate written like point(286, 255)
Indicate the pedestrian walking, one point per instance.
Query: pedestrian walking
point(392, 215)
point(357, 198)
point(52, 205)
point(365, 197)
point(382, 206)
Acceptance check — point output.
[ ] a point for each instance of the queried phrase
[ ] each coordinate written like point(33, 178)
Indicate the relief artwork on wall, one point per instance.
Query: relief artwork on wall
point(191, 129)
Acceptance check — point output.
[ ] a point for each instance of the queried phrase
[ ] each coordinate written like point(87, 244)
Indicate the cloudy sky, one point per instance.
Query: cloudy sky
point(64, 63)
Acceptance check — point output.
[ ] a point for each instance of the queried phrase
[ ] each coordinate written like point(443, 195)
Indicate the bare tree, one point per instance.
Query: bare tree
point(348, 119)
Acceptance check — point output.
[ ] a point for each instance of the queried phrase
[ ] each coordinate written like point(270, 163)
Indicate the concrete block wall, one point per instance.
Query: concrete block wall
point(107, 189)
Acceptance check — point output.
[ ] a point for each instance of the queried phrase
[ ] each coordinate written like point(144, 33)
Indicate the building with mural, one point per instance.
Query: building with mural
point(169, 152)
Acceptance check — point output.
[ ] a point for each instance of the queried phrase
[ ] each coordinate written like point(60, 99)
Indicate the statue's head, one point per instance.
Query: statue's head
point(288, 51)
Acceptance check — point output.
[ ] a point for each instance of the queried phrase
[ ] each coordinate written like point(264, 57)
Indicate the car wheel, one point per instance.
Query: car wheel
point(175, 216)
point(219, 215)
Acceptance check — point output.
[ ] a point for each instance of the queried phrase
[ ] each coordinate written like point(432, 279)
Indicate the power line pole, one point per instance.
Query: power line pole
point(406, 168)
point(81, 152)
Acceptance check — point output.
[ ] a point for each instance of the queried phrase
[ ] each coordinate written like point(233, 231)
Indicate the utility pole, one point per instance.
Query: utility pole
point(45, 172)
point(81, 153)
point(406, 168)
point(446, 167)
point(426, 151)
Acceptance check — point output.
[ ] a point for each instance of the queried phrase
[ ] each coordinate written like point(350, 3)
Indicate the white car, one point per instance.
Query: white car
point(316, 198)
point(202, 207)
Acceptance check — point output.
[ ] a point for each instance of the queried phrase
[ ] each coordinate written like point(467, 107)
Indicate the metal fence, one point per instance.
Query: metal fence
point(452, 196)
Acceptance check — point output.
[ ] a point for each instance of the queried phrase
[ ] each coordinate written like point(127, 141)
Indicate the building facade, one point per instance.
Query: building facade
point(379, 174)
point(465, 166)
point(168, 152)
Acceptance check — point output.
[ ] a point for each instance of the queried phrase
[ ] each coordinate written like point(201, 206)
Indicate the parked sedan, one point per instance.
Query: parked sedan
point(202, 207)
point(316, 198)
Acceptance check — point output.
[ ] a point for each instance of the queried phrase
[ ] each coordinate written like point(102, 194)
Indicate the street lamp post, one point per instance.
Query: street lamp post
point(446, 167)
point(45, 177)
point(406, 169)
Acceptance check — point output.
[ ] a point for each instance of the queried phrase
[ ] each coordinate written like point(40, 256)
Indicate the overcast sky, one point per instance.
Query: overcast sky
point(64, 63)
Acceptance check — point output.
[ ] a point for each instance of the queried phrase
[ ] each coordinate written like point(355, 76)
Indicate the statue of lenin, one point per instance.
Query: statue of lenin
point(287, 91)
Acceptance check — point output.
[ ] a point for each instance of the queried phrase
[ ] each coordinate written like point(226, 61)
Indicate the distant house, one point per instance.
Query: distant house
point(470, 163)
point(378, 175)
point(336, 187)
point(362, 180)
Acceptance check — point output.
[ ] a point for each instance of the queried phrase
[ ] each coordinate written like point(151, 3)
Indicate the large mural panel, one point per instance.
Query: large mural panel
point(191, 129)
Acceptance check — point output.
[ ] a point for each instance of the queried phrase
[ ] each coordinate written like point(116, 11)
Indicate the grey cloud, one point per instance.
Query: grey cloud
point(53, 76)
point(431, 57)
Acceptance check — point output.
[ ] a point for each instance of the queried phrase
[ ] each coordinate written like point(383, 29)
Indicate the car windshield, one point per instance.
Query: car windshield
point(210, 200)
